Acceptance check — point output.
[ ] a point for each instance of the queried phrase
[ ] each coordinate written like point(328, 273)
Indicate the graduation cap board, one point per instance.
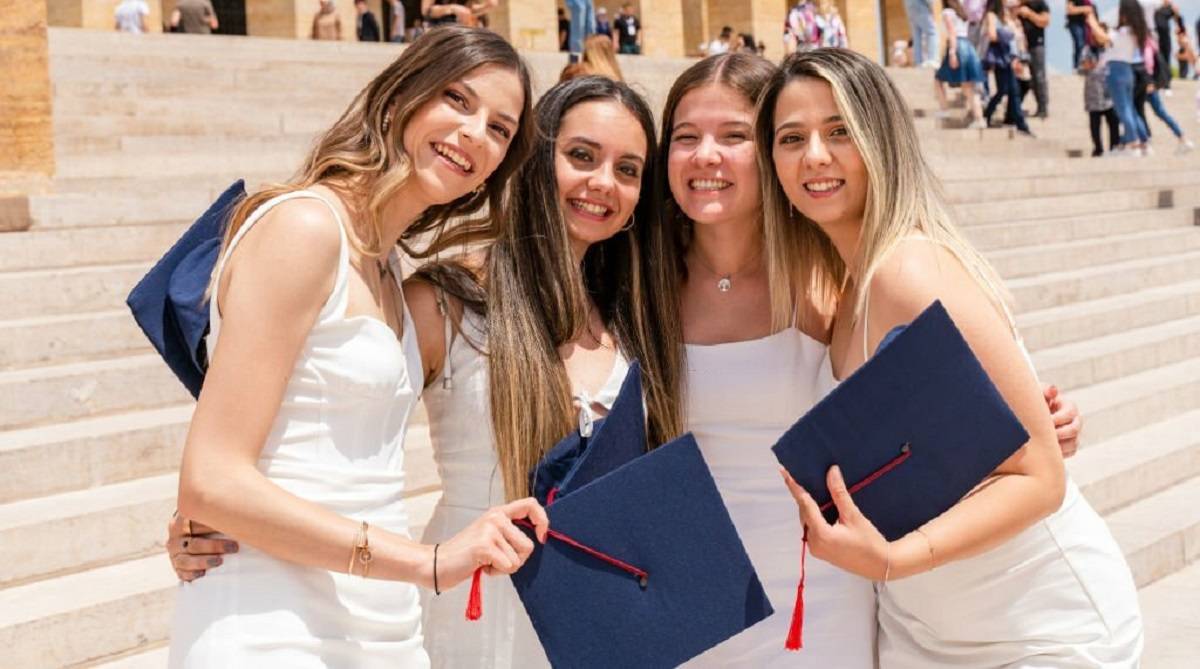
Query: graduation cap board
point(170, 303)
point(643, 567)
point(914, 429)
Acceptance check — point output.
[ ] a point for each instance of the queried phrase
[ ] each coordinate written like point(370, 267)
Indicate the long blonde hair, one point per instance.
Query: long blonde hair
point(599, 60)
point(362, 158)
point(904, 197)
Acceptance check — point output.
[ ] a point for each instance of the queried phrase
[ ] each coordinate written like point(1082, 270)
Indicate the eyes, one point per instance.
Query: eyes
point(687, 137)
point(837, 132)
point(584, 157)
point(460, 101)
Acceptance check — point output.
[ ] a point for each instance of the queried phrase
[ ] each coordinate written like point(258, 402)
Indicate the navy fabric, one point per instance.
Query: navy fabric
point(169, 303)
point(658, 511)
point(923, 389)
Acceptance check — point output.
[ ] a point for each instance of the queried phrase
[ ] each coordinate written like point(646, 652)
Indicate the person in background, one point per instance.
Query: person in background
point(830, 28)
point(1166, 14)
point(474, 14)
point(800, 27)
point(1186, 54)
point(196, 17)
point(1124, 49)
point(367, 28)
point(924, 32)
point(598, 60)
point(747, 44)
point(583, 25)
point(1077, 13)
point(327, 25)
point(603, 24)
point(1096, 98)
point(627, 31)
point(130, 16)
point(1035, 16)
point(899, 57)
point(1159, 74)
point(1000, 27)
point(722, 44)
point(564, 29)
point(960, 66)
point(399, 21)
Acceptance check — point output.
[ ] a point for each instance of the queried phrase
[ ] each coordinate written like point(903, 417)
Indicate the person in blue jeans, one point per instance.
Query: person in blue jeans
point(1077, 14)
point(924, 32)
point(1125, 46)
point(998, 25)
point(583, 24)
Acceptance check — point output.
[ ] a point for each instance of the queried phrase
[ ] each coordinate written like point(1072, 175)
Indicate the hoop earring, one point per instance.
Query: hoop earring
point(479, 189)
point(629, 225)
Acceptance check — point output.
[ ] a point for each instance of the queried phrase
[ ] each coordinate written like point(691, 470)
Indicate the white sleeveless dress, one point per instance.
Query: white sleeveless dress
point(336, 442)
point(464, 449)
point(741, 397)
point(1057, 595)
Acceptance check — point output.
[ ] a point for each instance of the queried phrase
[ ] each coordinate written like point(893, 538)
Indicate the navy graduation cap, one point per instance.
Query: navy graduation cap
point(643, 566)
point(914, 429)
point(170, 304)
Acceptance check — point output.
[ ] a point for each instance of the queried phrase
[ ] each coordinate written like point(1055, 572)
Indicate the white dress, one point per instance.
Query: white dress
point(1057, 595)
point(464, 449)
point(336, 441)
point(741, 397)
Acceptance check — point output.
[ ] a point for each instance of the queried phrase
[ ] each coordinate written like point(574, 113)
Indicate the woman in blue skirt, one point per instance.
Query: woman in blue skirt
point(960, 66)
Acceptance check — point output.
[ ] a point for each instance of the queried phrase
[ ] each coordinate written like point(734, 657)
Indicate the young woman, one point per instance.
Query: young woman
point(294, 447)
point(1022, 571)
point(1001, 29)
point(960, 65)
point(1124, 55)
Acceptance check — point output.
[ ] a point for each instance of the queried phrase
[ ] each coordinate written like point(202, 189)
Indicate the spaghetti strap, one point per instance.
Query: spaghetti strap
point(335, 305)
point(447, 365)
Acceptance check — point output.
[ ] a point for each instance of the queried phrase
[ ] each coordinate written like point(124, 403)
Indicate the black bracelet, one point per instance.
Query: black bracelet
point(436, 591)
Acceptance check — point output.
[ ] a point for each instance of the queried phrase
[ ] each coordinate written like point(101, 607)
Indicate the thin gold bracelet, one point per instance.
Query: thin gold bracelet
point(929, 544)
point(360, 551)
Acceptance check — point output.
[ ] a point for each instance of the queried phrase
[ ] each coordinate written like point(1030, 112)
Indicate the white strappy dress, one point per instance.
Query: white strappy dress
point(741, 397)
point(336, 441)
point(464, 449)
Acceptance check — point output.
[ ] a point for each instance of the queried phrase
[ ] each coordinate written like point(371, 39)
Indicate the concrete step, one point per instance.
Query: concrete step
point(46, 292)
point(88, 615)
point(136, 122)
point(136, 147)
point(47, 536)
point(1037, 208)
point(29, 342)
point(79, 454)
point(1021, 187)
point(1161, 533)
point(52, 394)
point(1077, 321)
point(184, 165)
point(1135, 465)
point(51, 249)
point(1080, 254)
point(965, 167)
point(1121, 354)
point(1066, 287)
point(1169, 616)
point(155, 658)
point(1122, 405)
point(998, 236)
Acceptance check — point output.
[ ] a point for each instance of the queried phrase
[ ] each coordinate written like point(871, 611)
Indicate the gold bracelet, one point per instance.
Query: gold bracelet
point(360, 551)
point(929, 544)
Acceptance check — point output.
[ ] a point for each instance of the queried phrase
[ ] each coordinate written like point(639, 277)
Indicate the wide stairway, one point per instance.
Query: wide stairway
point(1102, 256)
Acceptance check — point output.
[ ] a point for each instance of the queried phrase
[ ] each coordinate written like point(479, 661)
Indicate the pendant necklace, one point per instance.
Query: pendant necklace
point(725, 281)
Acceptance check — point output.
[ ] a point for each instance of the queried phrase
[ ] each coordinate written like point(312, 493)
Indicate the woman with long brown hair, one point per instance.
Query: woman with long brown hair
point(294, 447)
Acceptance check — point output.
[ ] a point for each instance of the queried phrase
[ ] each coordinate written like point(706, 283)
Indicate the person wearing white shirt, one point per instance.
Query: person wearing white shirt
point(130, 16)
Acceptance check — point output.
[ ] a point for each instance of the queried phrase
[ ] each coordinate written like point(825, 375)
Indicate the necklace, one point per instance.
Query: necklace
point(724, 281)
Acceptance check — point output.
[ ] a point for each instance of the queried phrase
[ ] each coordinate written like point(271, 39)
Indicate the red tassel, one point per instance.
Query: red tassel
point(795, 638)
point(475, 599)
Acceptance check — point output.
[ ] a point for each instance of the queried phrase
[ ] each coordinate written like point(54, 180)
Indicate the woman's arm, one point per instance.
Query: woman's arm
point(989, 23)
point(271, 293)
point(1024, 489)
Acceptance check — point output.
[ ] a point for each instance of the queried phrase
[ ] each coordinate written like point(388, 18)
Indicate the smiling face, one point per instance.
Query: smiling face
point(599, 157)
point(819, 167)
point(710, 166)
point(458, 138)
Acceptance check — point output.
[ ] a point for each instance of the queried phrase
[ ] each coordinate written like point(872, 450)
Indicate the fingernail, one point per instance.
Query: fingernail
point(213, 562)
point(185, 543)
point(231, 547)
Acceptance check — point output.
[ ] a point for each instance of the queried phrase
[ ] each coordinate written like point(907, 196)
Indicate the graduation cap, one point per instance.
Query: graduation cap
point(170, 303)
point(642, 566)
point(914, 429)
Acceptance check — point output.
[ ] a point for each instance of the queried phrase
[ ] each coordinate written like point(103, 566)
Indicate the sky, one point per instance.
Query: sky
point(1058, 40)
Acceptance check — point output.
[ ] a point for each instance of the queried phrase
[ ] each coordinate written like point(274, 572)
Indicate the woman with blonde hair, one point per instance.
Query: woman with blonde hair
point(294, 447)
point(598, 60)
point(1022, 571)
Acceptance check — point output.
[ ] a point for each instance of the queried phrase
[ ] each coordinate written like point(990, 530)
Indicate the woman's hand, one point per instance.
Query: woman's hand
point(953, 60)
point(193, 549)
point(492, 542)
point(1067, 421)
point(852, 543)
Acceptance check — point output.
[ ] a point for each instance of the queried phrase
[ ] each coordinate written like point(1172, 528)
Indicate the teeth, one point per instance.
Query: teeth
point(589, 207)
point(710, 184)
point(823, 186)
point(453, 156)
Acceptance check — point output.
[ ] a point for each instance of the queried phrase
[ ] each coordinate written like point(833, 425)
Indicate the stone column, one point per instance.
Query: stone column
point(26, 122)
point(96, 14)
point(662, 26)
point(862, 26)
point(529, 25)
point(696, 28)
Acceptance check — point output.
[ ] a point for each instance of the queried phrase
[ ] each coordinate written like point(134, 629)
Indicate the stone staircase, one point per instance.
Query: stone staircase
point(1102, 257)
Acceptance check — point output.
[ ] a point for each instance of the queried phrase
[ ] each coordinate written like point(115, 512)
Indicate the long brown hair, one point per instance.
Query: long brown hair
point(537, 298)
point(362, 158)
